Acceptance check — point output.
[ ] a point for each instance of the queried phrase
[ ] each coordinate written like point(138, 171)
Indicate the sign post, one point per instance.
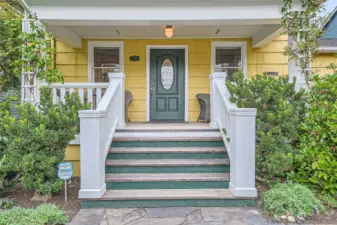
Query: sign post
point(65, 172)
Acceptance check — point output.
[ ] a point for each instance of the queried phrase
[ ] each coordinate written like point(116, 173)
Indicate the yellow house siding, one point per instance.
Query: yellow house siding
point(73, 156)
point(322, 61)
point(74, 64)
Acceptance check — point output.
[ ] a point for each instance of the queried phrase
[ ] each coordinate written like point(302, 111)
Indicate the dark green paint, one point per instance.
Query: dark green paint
point(168, 203)
point(168, 144)
point(166, 169)
point(167, 105)
point(167, 185)
point(209, 155)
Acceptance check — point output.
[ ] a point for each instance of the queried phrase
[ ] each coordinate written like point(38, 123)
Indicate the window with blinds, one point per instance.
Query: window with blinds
point(106, 60)
point(228, 59)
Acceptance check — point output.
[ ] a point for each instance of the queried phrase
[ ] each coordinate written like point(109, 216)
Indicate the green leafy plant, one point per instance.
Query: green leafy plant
point(6, 203)
point(38, 138)
point(42, 215)
point(280, 111)
point(316, 163)
point(290, 199)
point(10, 47)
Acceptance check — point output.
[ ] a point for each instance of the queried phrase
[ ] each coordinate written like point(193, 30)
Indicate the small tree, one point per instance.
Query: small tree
point(10, 47)
point(304, 28)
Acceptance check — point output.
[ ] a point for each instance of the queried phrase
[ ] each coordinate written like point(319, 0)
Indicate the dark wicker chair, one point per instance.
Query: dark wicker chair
point(204, 103)
point(128, 100)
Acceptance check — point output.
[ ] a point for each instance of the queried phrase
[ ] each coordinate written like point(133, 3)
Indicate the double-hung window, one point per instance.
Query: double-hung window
point(104, 58)
point(229, 57)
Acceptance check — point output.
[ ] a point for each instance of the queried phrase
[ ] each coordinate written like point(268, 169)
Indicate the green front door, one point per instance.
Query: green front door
point(167, 84)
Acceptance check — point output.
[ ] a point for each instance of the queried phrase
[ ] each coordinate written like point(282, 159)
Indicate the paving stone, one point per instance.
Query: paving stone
point(141, 212)
point(215, 214)
point(122, 216)
point(240, 213)
point(157, 221)
point(235, 222)
point(104, 222)
point(211, 223)
point(255, 220)
point(88, 217)
point(194, 217)
point(169, 212)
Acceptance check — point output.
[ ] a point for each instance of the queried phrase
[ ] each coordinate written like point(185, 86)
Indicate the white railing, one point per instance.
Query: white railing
point(97, 128)
point(237, 126)
point(88, 92)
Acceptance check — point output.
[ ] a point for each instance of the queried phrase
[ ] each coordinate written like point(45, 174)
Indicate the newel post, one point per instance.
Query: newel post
point(120, 101)
point(92, 158)
point(242, 142)
point(215, 77)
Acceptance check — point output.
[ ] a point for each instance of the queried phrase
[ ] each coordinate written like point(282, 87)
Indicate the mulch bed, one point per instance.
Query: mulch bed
point(23, 198)
point(329, 217)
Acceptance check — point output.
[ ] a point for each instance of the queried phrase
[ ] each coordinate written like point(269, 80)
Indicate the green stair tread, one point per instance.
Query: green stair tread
point(161, 177)
point(130, 150)
point(168, 162)
point(167, 169)
point(166, 185)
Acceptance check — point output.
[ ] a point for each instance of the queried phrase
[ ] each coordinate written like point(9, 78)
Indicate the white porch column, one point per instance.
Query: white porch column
point(242, 142)
point(214, 77)
point(294, 70)
point(92, 159)
point(120, 111)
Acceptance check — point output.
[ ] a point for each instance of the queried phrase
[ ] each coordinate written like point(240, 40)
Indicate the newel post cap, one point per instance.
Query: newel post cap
point(91, 113)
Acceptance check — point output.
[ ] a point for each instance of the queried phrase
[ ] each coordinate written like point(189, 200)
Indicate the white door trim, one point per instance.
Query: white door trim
point(93, 44)
point(242, 44)
point(148, 48)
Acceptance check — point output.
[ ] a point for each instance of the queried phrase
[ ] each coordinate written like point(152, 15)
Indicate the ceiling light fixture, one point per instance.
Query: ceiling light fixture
point(169, 31)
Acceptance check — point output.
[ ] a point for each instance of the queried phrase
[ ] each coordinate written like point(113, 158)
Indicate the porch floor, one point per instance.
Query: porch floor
point(167, 126)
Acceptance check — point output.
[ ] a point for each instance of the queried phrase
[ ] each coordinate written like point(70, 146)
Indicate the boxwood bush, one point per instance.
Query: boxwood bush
point(280, 111)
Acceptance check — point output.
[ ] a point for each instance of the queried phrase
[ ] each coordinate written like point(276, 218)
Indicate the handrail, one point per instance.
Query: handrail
point(97, 129)
point(237, 127)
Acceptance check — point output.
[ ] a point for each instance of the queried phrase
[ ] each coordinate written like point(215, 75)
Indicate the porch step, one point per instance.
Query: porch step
point(168, 162)
point(166, 144)
point(166, 181)
point(168, 153)
point(166, 198)
point(158, 177)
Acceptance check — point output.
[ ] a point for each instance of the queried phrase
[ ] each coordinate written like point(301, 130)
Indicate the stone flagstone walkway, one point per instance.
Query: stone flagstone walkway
point(169, 216)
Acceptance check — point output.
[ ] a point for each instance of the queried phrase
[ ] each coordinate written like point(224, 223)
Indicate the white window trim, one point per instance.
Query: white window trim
point(148, 50)
point(242, 44)
point(93, 44)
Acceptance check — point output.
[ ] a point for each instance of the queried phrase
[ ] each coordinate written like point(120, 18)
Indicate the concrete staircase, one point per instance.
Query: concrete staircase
point(167, 168)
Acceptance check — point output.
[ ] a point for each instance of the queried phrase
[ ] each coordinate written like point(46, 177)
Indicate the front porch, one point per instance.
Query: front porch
point(148, 161)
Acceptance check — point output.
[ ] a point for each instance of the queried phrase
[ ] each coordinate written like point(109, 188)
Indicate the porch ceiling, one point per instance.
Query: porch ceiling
point(143, 32)
point(151, 2)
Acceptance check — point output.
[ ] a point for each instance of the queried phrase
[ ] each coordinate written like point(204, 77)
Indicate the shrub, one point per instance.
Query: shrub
point(293, 199)
point(44, 214)
point(6, 203)
point(38, 138)
point(316, 163)
point(280, 111)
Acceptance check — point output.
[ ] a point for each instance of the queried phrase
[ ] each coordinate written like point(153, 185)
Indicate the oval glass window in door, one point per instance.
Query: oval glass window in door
point(167, 74)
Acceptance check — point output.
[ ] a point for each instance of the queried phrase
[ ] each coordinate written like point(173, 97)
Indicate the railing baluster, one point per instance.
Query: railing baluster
point(89, 93)
point(81, 94)
point(54, 95)
point(98, 95)
point(62, 95)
